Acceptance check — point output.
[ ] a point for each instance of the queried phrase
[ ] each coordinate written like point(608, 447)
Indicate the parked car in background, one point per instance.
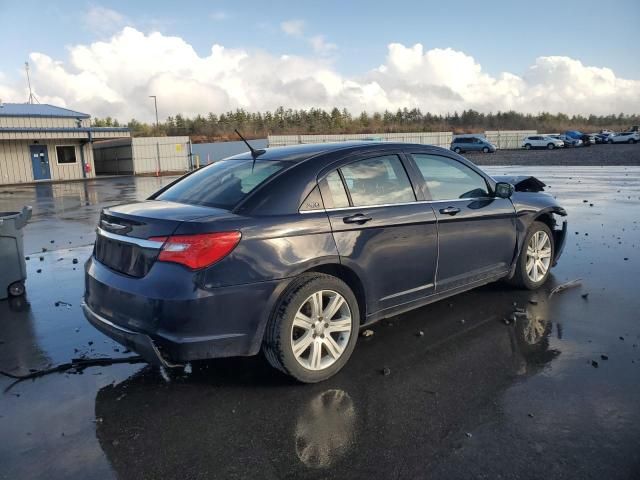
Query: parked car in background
point(472, 144)
point(576, 135)
point(625, 137)
point(601, 137)
point(541, 141)
point(568, 141)
point(291, 250)
point(635, 128)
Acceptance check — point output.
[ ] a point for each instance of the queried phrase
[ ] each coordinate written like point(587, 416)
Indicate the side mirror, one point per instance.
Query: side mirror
point(503, 190)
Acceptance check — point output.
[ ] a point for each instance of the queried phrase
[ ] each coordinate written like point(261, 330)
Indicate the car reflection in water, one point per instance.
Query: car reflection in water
point(236, 418)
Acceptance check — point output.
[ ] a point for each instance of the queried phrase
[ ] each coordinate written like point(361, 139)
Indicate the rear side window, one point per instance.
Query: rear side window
point(378, 181)
point(338, 193)
point(223, 184)
point(448, 180)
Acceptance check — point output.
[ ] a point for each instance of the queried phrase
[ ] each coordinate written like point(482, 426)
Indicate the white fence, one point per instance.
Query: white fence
point(508, 139)
point(441, 139)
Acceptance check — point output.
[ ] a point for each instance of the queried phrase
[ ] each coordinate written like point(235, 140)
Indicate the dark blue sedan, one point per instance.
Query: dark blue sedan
point(292, 250)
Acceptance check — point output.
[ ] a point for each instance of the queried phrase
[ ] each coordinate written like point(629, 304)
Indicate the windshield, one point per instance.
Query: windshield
point(223, 184)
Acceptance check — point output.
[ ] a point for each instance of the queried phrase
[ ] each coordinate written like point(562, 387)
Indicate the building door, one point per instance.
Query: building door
point(40, 162)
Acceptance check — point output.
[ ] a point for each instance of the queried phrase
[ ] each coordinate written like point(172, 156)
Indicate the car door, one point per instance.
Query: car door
point(476, 231)
point(382, 232)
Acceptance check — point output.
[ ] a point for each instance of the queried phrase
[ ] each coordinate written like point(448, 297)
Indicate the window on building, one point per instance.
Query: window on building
point(66, 153)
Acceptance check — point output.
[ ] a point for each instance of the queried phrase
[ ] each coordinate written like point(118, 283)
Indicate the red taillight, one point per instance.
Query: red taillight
point(197, 251)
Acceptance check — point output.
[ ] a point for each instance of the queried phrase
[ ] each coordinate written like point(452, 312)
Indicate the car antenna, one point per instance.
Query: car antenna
point(254, 153)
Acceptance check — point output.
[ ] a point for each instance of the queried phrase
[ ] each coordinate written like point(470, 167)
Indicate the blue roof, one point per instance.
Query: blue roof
point(38, 110)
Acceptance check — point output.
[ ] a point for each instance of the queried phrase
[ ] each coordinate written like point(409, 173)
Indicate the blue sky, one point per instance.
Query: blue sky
point(502, 36)
point(352, 36)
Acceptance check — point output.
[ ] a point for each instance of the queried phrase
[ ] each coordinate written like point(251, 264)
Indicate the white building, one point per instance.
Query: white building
point(47, 143)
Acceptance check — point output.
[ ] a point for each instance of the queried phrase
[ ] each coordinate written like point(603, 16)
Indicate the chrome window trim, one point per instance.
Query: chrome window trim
point(474, 199)
point(141, 242)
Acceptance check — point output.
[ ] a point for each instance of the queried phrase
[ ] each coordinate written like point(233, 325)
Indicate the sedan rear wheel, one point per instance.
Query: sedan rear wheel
point(536, 257)
point(314, 328)
point(551, 146)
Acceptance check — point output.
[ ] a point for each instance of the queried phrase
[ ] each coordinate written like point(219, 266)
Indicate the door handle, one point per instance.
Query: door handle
point(449, 211)
point(358, 218)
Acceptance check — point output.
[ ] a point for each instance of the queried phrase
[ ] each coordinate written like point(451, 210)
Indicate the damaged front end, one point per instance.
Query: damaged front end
point(523, 183)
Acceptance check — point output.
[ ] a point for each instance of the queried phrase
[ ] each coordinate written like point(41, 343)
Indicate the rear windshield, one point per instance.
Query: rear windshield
point(223, 184)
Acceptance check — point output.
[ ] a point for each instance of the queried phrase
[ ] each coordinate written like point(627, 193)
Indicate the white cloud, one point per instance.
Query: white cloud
point(295, 28)
point(116, 76)
point(103, 20)
point(321, 46)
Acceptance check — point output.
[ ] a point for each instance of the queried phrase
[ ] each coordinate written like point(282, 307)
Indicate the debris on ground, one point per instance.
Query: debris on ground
point(367, 333)
point(39, 270)
point(386, 371)
point(530, 415)
point(469, 435)
point(594, 364)
point(585, 295)
point(565, 286)
point(42, 259)
point(74, 261)
point(462, 321)
point(77, 365)
point(604, 357)
point(420, 333)
point(533, 301)
point(61, 303)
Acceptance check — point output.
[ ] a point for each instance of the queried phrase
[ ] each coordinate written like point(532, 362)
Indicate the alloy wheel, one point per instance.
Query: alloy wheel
point(321, 330)
point(538, 256)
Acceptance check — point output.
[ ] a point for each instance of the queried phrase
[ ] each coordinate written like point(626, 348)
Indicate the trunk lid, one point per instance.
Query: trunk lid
point(123, 231)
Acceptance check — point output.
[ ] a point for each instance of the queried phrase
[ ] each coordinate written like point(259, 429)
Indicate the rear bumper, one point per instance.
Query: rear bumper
point(167, 319)
point(135, 341)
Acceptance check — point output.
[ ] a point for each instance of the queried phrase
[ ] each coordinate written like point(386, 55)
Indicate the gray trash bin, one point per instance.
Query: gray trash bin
point(13, 268)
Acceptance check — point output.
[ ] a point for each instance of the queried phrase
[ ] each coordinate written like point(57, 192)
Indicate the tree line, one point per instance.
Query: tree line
point(220, 127)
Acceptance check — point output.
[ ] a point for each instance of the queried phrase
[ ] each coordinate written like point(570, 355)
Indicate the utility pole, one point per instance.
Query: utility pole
point(32, 97)
point(155, 102)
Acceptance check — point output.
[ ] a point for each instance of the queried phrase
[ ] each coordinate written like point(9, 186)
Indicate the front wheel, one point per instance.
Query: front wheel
point(551, 146)
point(457, 150)
point(485, 150)
point(536, 257)
point(527, 146)
point(631, 140)
point(314, 328)
point(610, 142)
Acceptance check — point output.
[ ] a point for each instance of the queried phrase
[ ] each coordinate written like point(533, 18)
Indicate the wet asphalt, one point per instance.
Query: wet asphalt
point(553, 394)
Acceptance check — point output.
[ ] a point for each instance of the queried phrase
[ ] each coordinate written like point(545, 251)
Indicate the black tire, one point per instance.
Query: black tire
point(457, 150)
point(485, 150)
point(520, 279)
point(277, 338)
point(610, 142)
point(527, 146)
point(16, 289)
point(551, 146)
point(631, 140)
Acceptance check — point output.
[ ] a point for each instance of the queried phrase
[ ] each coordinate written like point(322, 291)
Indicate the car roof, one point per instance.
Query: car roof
point(298, 153)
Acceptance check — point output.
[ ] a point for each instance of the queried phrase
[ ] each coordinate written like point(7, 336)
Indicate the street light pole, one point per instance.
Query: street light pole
point(155, 102)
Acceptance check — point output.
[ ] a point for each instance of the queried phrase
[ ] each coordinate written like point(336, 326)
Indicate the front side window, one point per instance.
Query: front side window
point(222, 184)
point(66, 153)
point(378, 181)
point(448, 180)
